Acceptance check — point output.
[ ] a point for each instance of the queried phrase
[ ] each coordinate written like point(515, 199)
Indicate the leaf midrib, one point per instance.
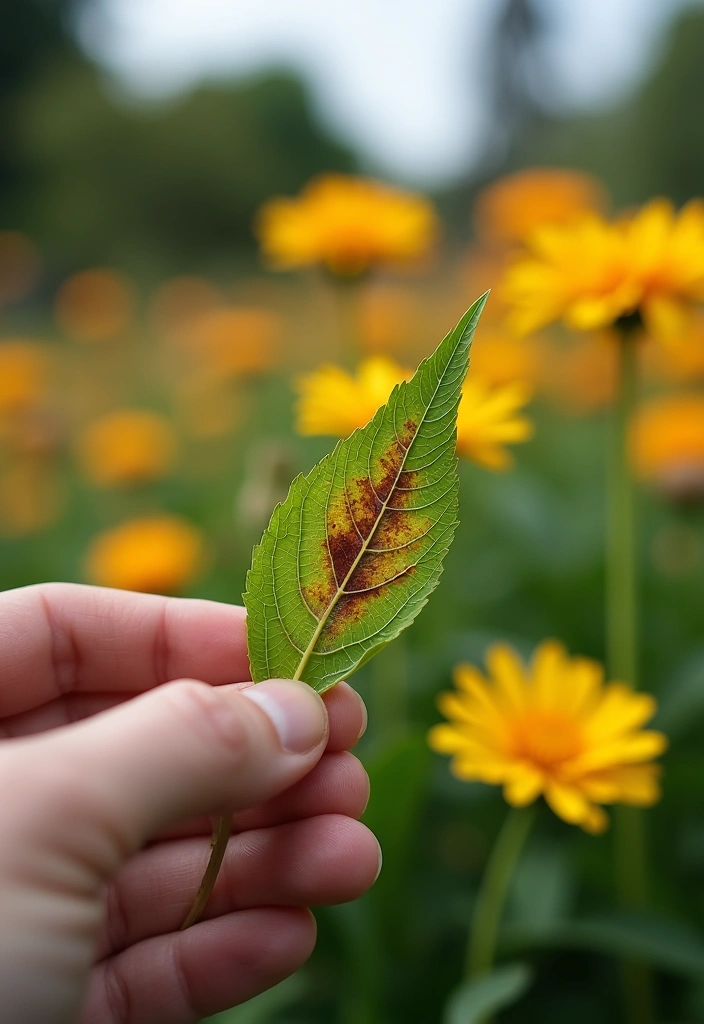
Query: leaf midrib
point(305, 657)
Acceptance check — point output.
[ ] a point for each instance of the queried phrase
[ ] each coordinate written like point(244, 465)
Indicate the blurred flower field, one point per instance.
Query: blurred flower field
point(148, 428)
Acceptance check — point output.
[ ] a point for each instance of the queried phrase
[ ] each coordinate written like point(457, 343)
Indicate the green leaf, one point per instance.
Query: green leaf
point(653, 940)
point(351, 556)
point(479, 998)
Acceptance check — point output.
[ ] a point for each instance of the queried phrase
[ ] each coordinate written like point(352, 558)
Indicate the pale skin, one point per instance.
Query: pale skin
point(109, 771)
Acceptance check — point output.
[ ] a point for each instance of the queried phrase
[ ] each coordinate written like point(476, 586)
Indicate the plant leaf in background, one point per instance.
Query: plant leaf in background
point(351, 556)
point(477, 999)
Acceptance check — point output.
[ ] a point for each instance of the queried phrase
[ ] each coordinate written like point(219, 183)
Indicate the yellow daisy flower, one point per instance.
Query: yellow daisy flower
point(488, 419)
point(667, 445)
point(554, 729)
point(348, 224)
point(579, 273)
point(334, 401)
point(590, 273)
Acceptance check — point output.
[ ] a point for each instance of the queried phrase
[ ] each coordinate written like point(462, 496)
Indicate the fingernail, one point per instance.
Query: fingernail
point(381, 862)
point(365, 718)
point(369, 792)
point(295, 710)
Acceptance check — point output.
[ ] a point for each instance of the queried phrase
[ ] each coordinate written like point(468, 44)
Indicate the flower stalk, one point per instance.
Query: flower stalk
point(622, 653)
point(488, 909)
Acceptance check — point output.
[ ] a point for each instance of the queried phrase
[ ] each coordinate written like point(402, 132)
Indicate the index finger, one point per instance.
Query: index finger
point(60, 638)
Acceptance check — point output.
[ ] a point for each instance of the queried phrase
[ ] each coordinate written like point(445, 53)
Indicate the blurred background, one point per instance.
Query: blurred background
point(150, 361)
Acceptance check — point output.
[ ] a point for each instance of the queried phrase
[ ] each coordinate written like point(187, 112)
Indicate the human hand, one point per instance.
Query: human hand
point(106, 791)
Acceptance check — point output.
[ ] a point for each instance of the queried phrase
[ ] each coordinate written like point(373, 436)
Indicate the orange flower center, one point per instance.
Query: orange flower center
point(546, 738)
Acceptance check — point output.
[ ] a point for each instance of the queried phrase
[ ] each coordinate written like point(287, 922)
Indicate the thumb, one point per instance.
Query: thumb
point(108, 784)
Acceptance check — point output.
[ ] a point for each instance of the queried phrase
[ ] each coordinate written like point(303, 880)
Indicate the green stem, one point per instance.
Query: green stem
point(491, 898)
point(621, 624)
point(346, 296)
point(622, 656)
point(218, 844)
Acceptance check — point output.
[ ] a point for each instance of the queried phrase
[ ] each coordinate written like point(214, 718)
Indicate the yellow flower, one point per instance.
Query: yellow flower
point(553, 729)
point(579, 273)
point(591, 272)
point(155, 554)
point(95, 305)
point(667, 445)
point(510, 209)
point(349, 224)
point(488, 419)
point(666, 249)
point(334, 401)
point(129, 446)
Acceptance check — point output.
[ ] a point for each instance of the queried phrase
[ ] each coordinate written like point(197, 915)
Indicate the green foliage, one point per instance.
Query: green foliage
point(352, 554)
point(475, 1000)
point(653, 940)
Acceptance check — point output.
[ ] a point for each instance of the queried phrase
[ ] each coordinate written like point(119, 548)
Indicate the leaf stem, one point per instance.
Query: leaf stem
point(218, 844)
point(622, 654)
point(488, 909)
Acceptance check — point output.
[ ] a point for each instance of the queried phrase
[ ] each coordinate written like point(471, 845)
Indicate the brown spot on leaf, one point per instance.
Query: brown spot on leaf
point(353, 521)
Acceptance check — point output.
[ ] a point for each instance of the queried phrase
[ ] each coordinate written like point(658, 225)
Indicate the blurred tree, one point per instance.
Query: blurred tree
point(102, 180)
point(518, 77)
point(653, 142)
point(173, 183)
point(668, 130)
point(33, 32)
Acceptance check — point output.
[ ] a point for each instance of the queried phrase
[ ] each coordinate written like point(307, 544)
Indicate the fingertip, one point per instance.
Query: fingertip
point(348, 716)
point(295, 710)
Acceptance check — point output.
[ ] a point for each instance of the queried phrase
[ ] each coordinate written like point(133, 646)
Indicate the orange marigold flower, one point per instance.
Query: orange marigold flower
point(553, 728)
point(129, 446)
point(95, 305)
point(348, 224)
point(511, 208)
point(154, 554)
point(667, 445)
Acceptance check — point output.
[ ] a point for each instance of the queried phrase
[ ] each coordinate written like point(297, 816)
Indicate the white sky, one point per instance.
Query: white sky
point(399, 79)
